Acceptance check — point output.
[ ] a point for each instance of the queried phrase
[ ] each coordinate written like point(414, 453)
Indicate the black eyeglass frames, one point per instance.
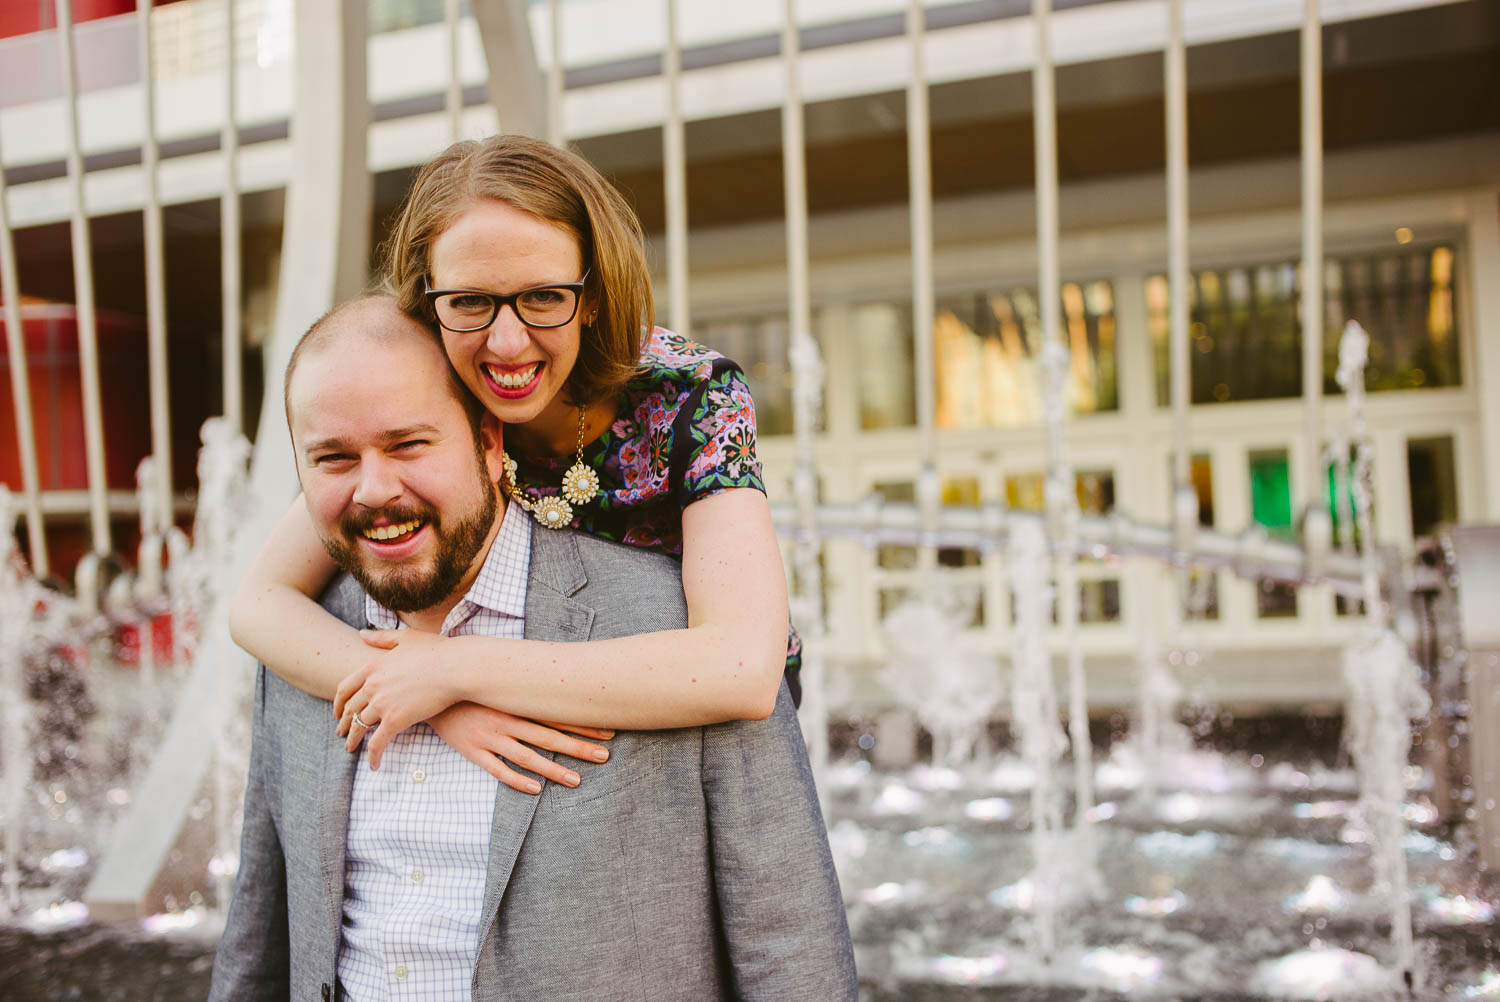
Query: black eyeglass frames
point(464, 311)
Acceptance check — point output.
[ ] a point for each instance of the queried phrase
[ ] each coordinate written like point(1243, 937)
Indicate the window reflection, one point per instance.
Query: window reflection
point(1246, 339)
point(985, 348)
point(986, 344)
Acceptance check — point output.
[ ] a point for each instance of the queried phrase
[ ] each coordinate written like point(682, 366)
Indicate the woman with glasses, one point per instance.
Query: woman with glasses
point(532, 268)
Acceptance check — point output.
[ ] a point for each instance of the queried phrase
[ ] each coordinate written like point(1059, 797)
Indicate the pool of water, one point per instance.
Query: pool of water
point(1242, 879)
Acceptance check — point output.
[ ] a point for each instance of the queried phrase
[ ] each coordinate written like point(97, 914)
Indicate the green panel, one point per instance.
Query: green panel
point(1270, 491)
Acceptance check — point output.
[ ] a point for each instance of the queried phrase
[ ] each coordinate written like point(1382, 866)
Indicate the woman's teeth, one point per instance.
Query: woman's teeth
point(515, 379)
point(382, 533)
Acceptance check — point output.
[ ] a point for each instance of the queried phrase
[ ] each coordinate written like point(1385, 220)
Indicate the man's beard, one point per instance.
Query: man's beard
point(410, 587)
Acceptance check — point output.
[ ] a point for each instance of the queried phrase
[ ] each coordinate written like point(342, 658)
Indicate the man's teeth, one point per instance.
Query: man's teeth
point(513, 380)
point(383, 532)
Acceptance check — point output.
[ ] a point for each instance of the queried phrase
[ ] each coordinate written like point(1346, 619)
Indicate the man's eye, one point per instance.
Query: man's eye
point(332, 459)
point(409, 444)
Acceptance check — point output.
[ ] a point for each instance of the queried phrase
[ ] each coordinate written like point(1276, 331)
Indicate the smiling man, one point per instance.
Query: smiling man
point(693, 864)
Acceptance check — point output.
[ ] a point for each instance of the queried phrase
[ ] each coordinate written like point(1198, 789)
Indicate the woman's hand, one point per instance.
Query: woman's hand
point(490, 738)
point(398, 688)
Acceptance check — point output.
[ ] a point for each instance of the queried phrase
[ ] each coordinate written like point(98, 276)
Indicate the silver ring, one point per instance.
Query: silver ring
point(361, 722)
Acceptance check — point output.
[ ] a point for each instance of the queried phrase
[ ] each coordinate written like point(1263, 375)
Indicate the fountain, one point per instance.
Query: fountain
point(1158, 868)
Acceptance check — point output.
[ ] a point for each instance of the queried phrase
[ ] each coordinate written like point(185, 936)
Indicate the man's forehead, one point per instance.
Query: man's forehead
point(360, 387)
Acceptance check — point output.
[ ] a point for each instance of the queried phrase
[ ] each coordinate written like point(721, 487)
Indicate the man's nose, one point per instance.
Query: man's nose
point(378, 484)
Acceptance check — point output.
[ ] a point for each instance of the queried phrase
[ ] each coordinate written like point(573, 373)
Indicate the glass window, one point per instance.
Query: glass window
point(1271, 507)
point(760, 345)
point(1432, 482)
point(985, 347)
point(1246, 339)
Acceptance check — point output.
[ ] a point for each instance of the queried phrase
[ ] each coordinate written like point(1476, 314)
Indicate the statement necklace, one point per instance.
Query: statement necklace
point(579, 486)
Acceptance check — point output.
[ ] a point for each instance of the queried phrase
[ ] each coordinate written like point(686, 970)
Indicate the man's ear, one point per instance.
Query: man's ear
point(492, 444)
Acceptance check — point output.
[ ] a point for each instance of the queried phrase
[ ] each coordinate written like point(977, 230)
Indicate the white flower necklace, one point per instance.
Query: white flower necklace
point(580, 485)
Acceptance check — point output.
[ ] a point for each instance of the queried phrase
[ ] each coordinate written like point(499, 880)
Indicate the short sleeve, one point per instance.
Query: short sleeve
point(720, 449)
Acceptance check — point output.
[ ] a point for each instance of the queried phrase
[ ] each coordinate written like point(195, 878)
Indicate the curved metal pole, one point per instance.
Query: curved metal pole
point(229, 231)
point(160, 493)
point(675, 168)
point(20, 389)
point(83, 283)
point(325, 254)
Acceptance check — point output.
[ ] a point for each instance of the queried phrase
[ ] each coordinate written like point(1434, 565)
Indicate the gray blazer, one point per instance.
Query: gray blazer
point(692, 865)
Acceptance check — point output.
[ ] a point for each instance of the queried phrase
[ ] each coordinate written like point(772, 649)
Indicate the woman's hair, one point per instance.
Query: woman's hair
point(561, 187)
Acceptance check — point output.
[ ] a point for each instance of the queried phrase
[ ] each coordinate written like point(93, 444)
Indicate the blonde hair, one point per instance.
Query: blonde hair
point(563, 188)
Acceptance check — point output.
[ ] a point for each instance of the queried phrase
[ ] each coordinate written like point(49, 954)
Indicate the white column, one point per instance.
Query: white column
point(20, 388)
point(1177, 247)
point(675, 169)
point(83, 283)
point(556, 134)
point(1480, 266)
point(807, 392)
point(156, 282)
point(919, 170)
point(229, 230)
point(453, 98)
point(1312, 256)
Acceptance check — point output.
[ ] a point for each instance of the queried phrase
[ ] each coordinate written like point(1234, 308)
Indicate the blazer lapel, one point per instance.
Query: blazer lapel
point(346, 600)
point(337, 777)
point(551, 614)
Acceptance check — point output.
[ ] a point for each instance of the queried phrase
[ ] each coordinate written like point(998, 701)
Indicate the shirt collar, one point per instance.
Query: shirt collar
point(500, 585)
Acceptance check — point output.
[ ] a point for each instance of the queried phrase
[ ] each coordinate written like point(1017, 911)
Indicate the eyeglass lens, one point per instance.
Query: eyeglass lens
point(468, 311)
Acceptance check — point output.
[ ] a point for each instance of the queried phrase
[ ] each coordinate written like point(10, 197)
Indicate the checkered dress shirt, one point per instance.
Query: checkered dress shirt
point(419, 828)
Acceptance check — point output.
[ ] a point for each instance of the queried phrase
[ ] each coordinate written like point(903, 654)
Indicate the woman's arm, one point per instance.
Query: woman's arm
point(275, 615)
point(275, 618)
point(726, 665)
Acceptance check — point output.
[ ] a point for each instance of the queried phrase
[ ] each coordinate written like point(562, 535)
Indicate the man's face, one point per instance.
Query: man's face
point(399, 491)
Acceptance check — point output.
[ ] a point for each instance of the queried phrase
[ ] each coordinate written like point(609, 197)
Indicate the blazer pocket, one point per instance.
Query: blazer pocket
point(633, 756)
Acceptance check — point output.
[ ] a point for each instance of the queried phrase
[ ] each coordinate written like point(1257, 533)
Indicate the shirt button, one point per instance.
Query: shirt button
point(401, 972)
point(417, 876)
point(418, 776)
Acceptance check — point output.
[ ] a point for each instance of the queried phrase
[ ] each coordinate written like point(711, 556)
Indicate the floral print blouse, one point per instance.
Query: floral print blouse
point(684, 431)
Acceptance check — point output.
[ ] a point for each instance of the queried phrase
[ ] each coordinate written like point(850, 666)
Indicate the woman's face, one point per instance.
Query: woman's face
point(515, 370)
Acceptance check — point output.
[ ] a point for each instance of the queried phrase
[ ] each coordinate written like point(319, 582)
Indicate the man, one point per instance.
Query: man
point(692, 865)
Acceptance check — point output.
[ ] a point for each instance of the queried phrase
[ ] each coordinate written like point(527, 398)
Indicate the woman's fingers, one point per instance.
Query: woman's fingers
point(527, 758)
point(544, 736)
point(354, 730)
point(384, 639)
point(597, 733)
point(508, 776)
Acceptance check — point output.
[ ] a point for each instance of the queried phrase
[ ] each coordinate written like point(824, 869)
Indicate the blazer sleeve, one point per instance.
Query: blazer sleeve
point(253, 959)
point(777, 892)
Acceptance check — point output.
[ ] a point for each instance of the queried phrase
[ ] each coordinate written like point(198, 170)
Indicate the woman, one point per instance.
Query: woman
point(533, 268)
